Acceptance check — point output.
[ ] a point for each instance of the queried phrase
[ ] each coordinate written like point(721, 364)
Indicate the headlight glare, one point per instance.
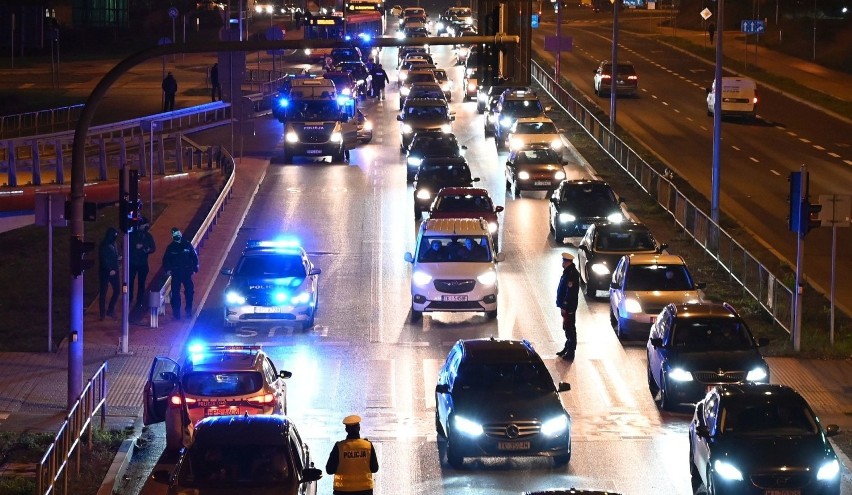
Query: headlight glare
point(524, 175)
point(727, 471)
point(414, 161)
point(757, 374)
point(302, 298)
point(559, 175)
point(632, 306)
point(492, 227)
point(235, 298)
point(600, 269)
point(487, 278)
point(554, 426)
point(404, 91)
point(292, 137)
point(615, 217)
point(566, 217)
point(466, 426)
point(680, 375)
point(406, 129)
point(556, 144)
point(336, 137)
point(506, 122)
point(515, 144)
point(829, 470)
point(423, 194)
point(421, 278)
point(446, 128)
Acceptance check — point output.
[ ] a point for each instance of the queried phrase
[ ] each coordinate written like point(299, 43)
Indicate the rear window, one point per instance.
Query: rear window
point(522, 108)
point(212, 466)
point(624, 241)
point(658, 277)
point(222, 383)
point(464, 202)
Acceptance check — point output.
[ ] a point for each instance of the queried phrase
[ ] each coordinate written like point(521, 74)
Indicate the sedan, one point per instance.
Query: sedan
point(604, 244)
point(467, 202)
point(435, 174)
point(577, 204)
point(533, 169)
point(761, 439)
point(626, 82)
point(534, 131)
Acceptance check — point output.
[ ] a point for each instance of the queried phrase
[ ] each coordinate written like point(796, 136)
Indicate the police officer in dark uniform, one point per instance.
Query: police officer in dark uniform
point(141, 246)
point(108, 259)
point(567, 295)
point(180, 261)
point(379, 78)
point(352, 461)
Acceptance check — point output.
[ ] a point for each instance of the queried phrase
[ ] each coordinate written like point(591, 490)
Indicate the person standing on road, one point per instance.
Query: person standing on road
point(711, 30)
point(180, 261)
point(141, 245)
point(567, 295)
point(108, 259)
point(379, 79)
point(170, 88)
point(216, 87)
point(352, 461)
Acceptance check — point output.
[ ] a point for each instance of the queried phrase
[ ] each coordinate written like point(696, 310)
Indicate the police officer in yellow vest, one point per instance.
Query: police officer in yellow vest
point(353, 461)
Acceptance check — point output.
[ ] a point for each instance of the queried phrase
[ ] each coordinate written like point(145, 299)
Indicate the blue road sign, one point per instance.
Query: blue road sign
point(752, 26)
point(534, 21)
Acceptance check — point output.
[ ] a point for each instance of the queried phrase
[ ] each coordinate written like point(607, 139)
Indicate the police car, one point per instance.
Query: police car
point(214, 380)
point(274, 281)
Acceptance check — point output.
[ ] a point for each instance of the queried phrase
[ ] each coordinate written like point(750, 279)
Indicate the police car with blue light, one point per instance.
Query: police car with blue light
point(213, 380)
point(274, 281)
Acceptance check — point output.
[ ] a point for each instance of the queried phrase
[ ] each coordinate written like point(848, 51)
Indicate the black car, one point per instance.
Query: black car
point(534, 169)
point(577, 204)
point(430, 144)
point(761, 439)
point(346, 85)
point(493, 92)
point(692, 347)
point(248, 454)
point(346, 54)
point(359, 72)
point(528, 418)
point(436, 173)
point(603, 246)
point(512, 106)
point(423, 114)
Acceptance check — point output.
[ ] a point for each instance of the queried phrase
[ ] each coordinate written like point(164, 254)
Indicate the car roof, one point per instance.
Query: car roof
point(493, 350)
point(257, 429)
point(519, 95)
point(624, 226)
point(533, 120)
point(656, 259)
point(455, 226)
point(759, 391)
point(473, 191)
point(426, 102)
point(441, 160)
point(223, 358)
point(706, 309)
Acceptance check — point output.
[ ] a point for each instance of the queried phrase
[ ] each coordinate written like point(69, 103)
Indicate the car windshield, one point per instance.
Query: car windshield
point(522, 108)
point(589, 197)
point(464, 202)
point(540, 156)
point(345, 54)
point(767, 417)
point(445, 145)
point(340, 81)
point(504, 378)
point(416, 77)
point(426, 93)
point(455, 174)
point(271, 266)
point(421, 112)
point(535, 128)
point(221, 383)
point(442, 249)
point(624, 241)
point(658, 278)
point(315, 110)
point(214, 465)
point(622, 69)
point(710, 334)
point(440, 75)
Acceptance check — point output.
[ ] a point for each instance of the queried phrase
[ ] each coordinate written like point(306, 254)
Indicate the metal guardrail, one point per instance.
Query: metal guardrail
point(756, 280)
point(50, 120)
point(157, 300)
point(52, 472)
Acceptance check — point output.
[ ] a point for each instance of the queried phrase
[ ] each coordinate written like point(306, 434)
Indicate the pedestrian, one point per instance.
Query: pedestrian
point(566, 300)
point(352, 461)
point(108, 259)
point(215, 86)
point(170, 88)
point(711, 30)
point(180, 261)
point(379, 79)
point(141, 246)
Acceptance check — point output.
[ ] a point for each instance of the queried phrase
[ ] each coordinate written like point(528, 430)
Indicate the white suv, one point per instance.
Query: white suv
point(454, 268)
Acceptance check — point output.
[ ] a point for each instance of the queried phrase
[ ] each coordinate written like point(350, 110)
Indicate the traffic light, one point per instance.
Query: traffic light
point(78, 248)
point(795, 218)
point(128, 199)
point(810, 215)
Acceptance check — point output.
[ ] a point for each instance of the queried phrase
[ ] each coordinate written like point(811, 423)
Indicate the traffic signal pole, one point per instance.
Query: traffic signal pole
point(800, 256)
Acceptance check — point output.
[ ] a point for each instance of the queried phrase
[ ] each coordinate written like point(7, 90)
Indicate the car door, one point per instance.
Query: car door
point(583, 252)
point(661, 330)
point(444, 402)
point(701, 446)
point(162, 379)
point(616, 294)
point(278, 384)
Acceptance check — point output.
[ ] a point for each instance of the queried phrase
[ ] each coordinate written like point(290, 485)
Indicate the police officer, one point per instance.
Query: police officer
point(379, 78)
point(567, 295)
point(108, 259)
point(180, 261)
point(141, 246)
point(352, 461)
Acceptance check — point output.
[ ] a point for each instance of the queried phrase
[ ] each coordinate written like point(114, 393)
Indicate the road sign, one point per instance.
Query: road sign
point(836, 210)
point(752, 26)
point(705, 14)
point(173, 12)
point(554, 44)
point(534, 21)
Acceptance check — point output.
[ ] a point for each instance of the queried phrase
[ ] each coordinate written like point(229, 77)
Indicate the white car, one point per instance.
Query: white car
point(534, 131)
point(642, 285)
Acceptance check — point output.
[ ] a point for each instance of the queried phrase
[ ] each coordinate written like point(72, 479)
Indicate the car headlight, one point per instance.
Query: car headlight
point(559, 175)
point(403, 76)
point(414, 161)
point(336, 137)
point(471, 86)
point(466, 426)
point(368, 126)
point(615, 217)
point(757, 374)
point(727, 471)
point(292, 137)
point(632, 306)
point(600, 269)
point(423, 194)
point(556, 144)
point(566, 217)
point(524, 175)
point(400, 35)
point(468, 71)
point(446, 86)
point(487, 278)
point(235, 298)
point(307, 51)
point(421, 278)
point(406, 129)
point(680, 375)
point(515, 144)
point(446, 128)
point(506, 122)
point(404, 91)
point(480, 96)
point(440, 26)
point(301, 298)
point(829, 470)
point(492, 227)
point(554, 426)
point(492, 118)
point(346, 92)
point(279, 297)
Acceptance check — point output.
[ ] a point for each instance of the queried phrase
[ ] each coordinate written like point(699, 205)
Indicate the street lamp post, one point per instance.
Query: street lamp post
point(717, 116)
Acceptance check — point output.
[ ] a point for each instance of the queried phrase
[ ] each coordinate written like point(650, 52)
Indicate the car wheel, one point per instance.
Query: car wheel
point(709, 489)
point(652, 384)
point(620, 332)
point(286, 158)
point(516, 191)
point(453, 457)
point(416, 315)
point(309, 323)
point(438, 428)
point(508, 185)
point(613, 321)
point(694, 477)
point(400, 104)
point(491, 314)
point(418, 213)
point(589, 290)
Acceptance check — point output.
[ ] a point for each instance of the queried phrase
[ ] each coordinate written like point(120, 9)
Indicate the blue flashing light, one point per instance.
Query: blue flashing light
point(365, 36)
point(283, 102)
point(196, 347)
point(280, 297)
point(282, 243)
point(348, 38)
point(343, 100)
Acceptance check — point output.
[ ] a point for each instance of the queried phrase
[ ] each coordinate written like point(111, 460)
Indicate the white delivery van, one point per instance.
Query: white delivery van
point(739, 97)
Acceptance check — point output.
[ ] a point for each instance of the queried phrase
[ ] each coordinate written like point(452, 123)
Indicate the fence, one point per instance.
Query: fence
point(40, 122)
point(52, 467)
point(755, 279)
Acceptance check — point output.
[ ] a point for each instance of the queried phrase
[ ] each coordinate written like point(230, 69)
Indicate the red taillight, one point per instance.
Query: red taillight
point(262, 399)
point(175, 401)
point(632, 78)
point(605, 76)
point(754, 100)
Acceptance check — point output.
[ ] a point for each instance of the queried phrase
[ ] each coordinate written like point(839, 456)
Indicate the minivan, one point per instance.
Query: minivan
point(739, 97)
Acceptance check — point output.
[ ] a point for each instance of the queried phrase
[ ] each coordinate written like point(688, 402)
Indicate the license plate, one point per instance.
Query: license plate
point(263, 309)
point(454, 298)
point(223, 411)
point(542, 182)
point(513, 445)
point(314, 152)
point(782, 492)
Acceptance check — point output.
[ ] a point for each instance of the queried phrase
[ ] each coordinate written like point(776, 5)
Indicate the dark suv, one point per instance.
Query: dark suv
point(430, 144)
point(423, 114)
point(512, 106)
point(626, 82)
point(527, 420)
point(436, 173)
point(692, 347)
point(577, 204)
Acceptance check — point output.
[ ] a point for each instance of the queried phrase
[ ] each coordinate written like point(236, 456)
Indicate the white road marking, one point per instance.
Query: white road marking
point(755, 160)
point(774, 172)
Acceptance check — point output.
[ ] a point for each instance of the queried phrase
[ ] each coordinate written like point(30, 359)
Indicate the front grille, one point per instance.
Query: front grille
point(513, 430)
point(719, 376)
point(781, 481)
point(454, 286)
point(455, 306)
point(313, 137)
point(268, 316)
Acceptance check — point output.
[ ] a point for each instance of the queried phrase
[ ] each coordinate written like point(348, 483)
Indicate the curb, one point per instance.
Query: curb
point(122, 459)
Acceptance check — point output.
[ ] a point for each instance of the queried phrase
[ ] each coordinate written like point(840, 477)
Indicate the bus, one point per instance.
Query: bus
point(364, 19)
point(323, 27)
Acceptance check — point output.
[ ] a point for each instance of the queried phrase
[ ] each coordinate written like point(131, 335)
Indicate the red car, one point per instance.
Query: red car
point(467, 202)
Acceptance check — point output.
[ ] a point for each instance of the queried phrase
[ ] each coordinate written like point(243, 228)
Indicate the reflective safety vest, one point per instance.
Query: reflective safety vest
point(353, 469)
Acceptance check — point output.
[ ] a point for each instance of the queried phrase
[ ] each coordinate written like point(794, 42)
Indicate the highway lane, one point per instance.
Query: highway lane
point(669, 116)
point(365, 357)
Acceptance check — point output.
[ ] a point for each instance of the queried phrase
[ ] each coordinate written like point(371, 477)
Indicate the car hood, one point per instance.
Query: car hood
point(495, 407)
point(435, 185)
point(426, 122)
point(456, 270)
point(536, 138)
point(539, 167)
point(658, 299)
point(756, 453)
point(744, 360)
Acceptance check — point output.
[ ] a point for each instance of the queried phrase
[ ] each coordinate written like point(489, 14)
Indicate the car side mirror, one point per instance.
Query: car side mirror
point(169, 376)
point(707, 90)
point(508, 163)
point(701, 285)
point(563, 387)
point(285, 374)
point(475, 179)
point(442, 388)
point(702, 431)
point(452, 118)
point(498, 209)
point(315, 271)
point(656, 342)
point(311, 474)
point(463, 147)
point(227, 271)
point(548, 108)
point(831, 430)
point(399, 118)
point(762, 342)
point(613, 285)
point(662, 247)
point(409, 258)
point(500, 257)
point(161, 476)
